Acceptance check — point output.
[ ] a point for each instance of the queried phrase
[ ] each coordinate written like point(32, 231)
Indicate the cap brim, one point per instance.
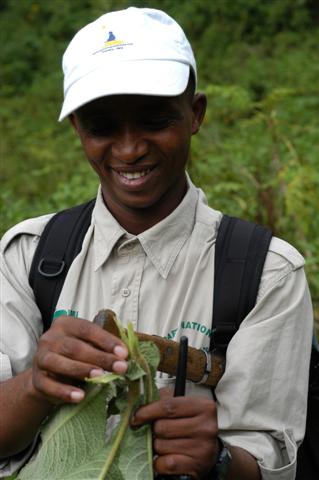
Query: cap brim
point(138, 77)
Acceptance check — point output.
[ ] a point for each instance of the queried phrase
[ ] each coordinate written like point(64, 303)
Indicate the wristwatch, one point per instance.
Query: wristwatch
point(222, 464)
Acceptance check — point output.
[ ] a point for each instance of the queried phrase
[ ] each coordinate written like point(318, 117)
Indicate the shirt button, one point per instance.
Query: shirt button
point(126, 292)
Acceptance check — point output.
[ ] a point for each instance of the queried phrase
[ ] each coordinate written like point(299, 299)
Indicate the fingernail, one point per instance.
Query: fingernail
point(120, 351)
point(134, 424)
point(77, 396)
point(96, 372)
point(119, 366)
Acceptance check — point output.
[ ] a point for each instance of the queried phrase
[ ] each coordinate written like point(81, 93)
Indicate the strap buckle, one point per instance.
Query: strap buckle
point(54, 266)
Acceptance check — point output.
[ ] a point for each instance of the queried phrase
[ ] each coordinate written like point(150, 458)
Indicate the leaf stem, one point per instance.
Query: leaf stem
point(133, 392)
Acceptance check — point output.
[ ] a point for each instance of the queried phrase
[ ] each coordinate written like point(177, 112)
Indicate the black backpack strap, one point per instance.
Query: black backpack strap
point(60, 242)
point(240, 253)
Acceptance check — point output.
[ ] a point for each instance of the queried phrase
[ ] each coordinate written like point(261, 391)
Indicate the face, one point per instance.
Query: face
point(139, 146)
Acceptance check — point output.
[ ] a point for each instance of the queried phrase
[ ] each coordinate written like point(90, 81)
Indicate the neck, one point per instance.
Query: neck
point(137, 220)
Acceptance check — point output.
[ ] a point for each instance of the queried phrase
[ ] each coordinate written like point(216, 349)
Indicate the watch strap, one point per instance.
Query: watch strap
point(221, 467)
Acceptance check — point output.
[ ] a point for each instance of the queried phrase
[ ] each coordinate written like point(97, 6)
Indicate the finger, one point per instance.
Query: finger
point(53, 356)
point(174, 407)
point(176, 446)
point(189, 427)
point(55, 391)
point(90, 332)
point(62, 366)
point(201, 452)
point(165, 393)
point(176, 465)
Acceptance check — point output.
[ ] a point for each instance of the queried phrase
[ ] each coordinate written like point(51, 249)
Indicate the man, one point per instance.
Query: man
point(149, 255)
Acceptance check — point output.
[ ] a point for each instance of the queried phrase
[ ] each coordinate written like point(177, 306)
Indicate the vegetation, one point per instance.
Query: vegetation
point(257, 154)
point(102, 450)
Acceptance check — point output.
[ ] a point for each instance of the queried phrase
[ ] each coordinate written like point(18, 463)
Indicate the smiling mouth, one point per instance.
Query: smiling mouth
point(134, 175)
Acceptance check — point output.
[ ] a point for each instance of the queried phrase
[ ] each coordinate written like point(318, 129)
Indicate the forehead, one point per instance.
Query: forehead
point(114, 105)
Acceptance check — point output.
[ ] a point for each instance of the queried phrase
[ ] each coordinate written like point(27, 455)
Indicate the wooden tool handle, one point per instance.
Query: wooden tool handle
point(196, 363)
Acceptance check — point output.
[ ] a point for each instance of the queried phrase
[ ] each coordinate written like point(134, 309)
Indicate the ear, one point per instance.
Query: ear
point(74, 122)
point(199, 109)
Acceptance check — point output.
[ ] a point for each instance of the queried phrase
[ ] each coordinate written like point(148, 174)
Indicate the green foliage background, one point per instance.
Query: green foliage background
point(257, 155)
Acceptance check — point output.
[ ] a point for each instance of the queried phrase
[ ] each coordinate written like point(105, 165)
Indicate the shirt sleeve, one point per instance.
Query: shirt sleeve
point(11, 465)
point(262, 396)
point(21, 323)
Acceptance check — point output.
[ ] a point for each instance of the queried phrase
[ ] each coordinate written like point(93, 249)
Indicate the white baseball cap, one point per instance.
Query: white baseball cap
point(133, 51)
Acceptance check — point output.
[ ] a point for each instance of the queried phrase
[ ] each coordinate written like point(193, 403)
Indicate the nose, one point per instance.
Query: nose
point(129, 145)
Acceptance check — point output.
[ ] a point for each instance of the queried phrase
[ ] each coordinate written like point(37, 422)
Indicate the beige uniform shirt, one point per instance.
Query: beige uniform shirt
point(162, 281)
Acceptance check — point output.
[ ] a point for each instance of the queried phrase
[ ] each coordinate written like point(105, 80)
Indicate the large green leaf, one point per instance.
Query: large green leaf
point(72, 438)
point(74, 441)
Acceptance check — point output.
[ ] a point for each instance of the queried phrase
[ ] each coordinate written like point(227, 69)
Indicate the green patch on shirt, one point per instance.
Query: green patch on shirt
point(69, 313)
point(198, 327)
point(171, 334)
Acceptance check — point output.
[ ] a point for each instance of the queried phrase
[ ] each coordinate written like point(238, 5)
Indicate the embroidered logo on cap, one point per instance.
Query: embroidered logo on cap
point(112, 43)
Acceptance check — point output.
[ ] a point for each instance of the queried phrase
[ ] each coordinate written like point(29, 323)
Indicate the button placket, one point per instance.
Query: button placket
point(126, 292)
point(137, 287)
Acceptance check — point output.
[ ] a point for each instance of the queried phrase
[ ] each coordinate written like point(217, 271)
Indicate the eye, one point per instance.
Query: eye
point(99, 130)
point(158, 123)
point(97, 126)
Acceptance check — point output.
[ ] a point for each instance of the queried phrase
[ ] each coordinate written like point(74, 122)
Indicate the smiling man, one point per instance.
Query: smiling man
point(139, 147)
point(130, 94)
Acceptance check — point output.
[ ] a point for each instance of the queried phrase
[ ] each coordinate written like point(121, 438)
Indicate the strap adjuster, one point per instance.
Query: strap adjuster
point(54, 266)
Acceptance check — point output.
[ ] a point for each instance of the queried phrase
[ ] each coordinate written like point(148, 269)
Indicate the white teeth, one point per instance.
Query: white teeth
point(134, 175)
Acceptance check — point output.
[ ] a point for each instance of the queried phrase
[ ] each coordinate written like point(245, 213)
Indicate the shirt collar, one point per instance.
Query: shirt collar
point(161, 243)
point(107, 231)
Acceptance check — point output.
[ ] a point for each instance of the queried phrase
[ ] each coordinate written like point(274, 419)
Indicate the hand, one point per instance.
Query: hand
point(71, 350)
point(185, 434)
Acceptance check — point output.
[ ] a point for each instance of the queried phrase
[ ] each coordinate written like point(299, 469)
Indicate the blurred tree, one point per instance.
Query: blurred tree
point(257, 155)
